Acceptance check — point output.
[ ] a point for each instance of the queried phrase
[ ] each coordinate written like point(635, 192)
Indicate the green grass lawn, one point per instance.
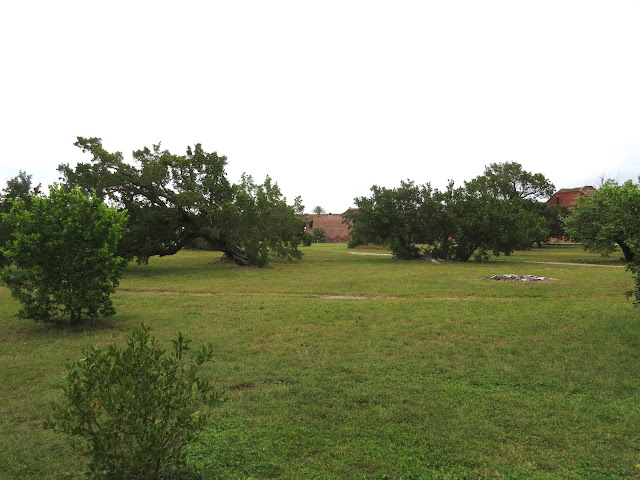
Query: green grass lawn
point(363, 366)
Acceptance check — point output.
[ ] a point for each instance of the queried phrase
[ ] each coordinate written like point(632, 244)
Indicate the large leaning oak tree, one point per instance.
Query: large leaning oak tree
point(174, 199)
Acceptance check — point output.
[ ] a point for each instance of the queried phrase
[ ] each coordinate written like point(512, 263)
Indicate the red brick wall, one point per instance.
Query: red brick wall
point(332, 223)
point(567, 197)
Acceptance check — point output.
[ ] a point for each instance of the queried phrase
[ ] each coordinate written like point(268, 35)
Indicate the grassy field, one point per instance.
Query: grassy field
point(363, 366)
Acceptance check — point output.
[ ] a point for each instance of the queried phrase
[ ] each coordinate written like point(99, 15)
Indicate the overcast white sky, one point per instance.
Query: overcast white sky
point(331, 97)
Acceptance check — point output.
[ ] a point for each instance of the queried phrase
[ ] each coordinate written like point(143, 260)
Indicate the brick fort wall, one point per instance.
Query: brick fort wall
point(331, 222)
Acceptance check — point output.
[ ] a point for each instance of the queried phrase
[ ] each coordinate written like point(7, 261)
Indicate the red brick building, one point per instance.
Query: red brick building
point(567, 197)
point(331, 222)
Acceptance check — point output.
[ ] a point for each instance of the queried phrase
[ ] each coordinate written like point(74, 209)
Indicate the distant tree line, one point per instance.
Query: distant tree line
point(64, 252)
point(497, 212)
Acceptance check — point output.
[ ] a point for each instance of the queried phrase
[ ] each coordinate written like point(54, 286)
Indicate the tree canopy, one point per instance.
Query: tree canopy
point(320, 235)
point(495, 212)
point(509, 181)
point(610, 218)
point(400, 217)
point(476, 223)
point(318, 210)
point(606, 218)
point(17, 188)
point(174, 199)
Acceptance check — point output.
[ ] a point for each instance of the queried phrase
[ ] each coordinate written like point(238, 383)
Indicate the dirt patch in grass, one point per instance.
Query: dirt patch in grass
point(369, 253)
point(382, 297)
point(326, 297)
point(167, 292)
point(572, 264)
point(346, 297)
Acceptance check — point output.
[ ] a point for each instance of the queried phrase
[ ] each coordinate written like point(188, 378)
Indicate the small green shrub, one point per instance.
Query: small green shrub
point(134, 408)
point(62, 255)
point(355, 242)
point(320, 235)
point(307, 239)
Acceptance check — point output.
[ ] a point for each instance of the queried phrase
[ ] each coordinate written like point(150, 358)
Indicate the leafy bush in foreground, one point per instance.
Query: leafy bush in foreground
point(135, 408)
point(62, 256)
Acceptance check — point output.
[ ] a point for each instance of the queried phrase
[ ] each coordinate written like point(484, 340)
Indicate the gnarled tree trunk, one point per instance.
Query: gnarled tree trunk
point(238, 255)
point(626, 250)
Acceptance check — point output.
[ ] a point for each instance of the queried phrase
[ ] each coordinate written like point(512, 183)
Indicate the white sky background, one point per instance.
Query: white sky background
point(328, 98)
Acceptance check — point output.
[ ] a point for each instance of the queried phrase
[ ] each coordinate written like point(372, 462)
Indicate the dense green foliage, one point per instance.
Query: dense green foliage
point(476, 223)
point(511, 185)
point(509, 181)
point(134, 408)
point(400, 218)
point(18, 188)
point(495, 212)
point(610, 218)
point(320, 235)
point(549, 221)
point(307, 238)
point(62, 256)
point(174, 199)
point(259, 223)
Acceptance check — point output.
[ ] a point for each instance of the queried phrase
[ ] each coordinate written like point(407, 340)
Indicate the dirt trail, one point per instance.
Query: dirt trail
point(560, 263)
point(513, 261)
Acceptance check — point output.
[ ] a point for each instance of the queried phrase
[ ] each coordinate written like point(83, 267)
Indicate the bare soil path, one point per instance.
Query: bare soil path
point(512, 261)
